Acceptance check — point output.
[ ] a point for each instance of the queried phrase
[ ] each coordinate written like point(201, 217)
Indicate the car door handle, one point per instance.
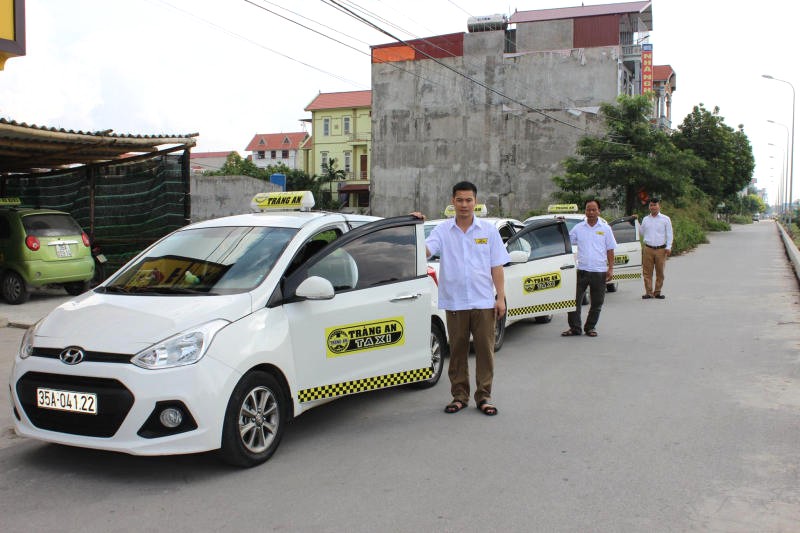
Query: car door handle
point(407, 297)
point(565, 267)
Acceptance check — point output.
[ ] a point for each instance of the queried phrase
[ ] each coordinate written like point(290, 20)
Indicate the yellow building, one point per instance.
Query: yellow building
point(341, 129)
point(12, 30)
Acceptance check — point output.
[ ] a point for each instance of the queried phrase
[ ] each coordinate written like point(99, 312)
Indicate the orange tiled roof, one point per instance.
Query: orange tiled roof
point(276, 141)
point(662, 72)
point(200, 155)
point(340, 100)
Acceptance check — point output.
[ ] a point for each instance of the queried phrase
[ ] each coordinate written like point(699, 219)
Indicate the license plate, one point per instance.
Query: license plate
point(62, 250)
point(64, 400)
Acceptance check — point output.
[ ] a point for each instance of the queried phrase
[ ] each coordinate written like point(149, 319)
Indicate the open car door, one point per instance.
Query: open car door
point(628, 255)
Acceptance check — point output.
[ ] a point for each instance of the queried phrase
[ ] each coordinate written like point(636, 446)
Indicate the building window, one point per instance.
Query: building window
point(346, 125)
point(326, 126)
point(272, 154)
point(284, 154)
point(348, 159)
point(260, 154)
point(324, 162)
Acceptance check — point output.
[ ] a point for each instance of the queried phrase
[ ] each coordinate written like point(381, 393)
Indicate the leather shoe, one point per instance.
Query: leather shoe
point(646, 296)
point(660, 296)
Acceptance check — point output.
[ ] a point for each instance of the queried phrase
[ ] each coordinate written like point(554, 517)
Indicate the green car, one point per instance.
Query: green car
point(41, 247)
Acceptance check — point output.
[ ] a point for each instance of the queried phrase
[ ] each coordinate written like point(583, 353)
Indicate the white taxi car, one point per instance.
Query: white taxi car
point(627, 255)
point(219, 333)
point(541, 277)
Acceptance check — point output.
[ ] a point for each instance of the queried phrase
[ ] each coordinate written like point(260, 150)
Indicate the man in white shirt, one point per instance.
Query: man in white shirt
point(656, 231)
point(596, 244)
point(471, 258)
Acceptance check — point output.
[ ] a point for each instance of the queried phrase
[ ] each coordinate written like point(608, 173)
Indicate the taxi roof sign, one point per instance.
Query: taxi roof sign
point(10, 201)
point(480, 211)
point(283, 201)
point(562, 208)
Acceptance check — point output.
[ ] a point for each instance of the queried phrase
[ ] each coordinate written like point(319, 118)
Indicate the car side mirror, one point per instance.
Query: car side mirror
point(518, 256)
point(315, 288)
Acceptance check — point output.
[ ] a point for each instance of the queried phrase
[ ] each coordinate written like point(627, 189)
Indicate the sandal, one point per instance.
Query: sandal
point(571, 332)
point(454, 406)
point(591, 333)
point(487, 408)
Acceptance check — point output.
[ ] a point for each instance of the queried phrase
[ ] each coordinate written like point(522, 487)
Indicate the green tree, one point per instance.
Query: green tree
point(727, 156)
point(298, 180)
point(631, 160)
point(236, 165)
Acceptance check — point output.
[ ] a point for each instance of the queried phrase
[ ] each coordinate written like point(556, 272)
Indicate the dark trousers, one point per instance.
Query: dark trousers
point(596, 281)
point(460, 324)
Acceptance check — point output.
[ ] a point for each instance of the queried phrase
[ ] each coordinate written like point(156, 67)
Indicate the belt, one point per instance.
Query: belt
point(656, 247)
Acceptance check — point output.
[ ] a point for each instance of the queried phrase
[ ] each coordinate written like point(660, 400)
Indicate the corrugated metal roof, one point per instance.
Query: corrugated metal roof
point(539, 15)
point(275, 141)
point(29, 149)
point(340, 100)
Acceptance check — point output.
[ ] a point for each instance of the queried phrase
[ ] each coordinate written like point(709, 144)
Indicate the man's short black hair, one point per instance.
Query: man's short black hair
point(595, 200)
point(654, 200)
point(465, 186)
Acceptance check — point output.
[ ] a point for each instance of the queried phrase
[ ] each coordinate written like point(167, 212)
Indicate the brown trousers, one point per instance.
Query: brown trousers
point(657, 258)
point(480, 323)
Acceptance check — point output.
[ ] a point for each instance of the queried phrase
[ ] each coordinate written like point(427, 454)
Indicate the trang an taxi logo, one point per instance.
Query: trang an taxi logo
point(542, 282)
point(621, 260)
point(481, 241)
point(353, 338)
point(278, 200)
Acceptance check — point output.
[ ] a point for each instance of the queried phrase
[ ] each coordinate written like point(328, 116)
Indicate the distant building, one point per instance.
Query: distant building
point(341, 129)
point(502, 105)
point(664, 84)
point(202, 162)
point(271, 149)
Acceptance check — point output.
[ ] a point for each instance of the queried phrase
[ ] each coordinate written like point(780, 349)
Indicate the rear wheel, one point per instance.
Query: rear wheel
point(76, 287)
point(438, 351)
point(611, 287)
point(499, 333)
point(543, 319)
point(585, 298)
point(254, 420)
point(14, 289)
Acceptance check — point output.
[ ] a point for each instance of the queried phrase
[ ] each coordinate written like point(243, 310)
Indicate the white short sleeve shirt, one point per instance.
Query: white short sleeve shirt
point(593, 244)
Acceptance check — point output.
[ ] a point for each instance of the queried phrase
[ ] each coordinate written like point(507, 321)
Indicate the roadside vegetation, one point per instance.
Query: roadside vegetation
point(698, 171)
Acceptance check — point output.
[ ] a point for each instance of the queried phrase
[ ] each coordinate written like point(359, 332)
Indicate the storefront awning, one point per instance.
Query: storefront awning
point(355, 188)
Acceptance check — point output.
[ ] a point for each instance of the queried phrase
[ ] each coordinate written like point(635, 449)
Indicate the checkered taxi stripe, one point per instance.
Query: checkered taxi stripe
point(366, 384)
point(553, 306)
point(634, 275)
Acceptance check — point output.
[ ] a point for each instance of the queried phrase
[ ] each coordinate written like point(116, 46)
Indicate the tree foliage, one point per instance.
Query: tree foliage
point(727, 156)
point(632, 160)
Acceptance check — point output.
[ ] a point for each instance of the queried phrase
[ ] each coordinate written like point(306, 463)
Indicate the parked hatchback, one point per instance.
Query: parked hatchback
point(41, 247)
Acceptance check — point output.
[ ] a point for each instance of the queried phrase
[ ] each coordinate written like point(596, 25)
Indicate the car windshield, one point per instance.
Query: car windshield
point(50, 225)
point(221, 260)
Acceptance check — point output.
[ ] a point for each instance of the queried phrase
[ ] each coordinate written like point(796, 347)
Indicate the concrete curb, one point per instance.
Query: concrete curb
point(791, 250)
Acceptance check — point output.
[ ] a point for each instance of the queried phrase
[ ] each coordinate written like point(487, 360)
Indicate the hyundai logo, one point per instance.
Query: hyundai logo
point(71, 356)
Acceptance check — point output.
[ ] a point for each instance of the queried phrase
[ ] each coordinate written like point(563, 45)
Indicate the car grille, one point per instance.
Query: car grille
point(113, 399)
point(94, 357)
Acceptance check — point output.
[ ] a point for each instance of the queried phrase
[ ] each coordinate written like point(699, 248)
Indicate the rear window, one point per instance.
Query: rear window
point(50, 225)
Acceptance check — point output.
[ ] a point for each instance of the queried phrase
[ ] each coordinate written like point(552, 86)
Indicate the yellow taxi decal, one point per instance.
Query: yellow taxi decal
point(290, 200)
point(10, 201)
point(363, 385)
point(353, 338)
point(552, 306)
point(621, 260)
point(541, 282)
point(562, 208)
point(634, 275)
point(481, 241)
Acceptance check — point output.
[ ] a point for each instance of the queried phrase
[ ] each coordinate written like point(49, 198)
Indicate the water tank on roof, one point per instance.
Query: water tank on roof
point(487, 23)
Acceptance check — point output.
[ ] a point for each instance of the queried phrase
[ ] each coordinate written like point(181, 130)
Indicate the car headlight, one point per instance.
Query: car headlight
point(185, 348)
point(26, 346)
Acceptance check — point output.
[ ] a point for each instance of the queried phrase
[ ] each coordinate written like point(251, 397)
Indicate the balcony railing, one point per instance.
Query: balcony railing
point(359, 138)
point(631, 52)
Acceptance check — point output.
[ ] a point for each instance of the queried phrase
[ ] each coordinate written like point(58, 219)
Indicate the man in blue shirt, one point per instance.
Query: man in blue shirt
point(596, 244)
point(471, 258)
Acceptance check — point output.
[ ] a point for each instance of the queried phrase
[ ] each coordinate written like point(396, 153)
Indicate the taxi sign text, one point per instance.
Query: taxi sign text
point(480, 210)
point(290, 200)
point(541, 282)
point(562, 208)
point(621, 259)
point(353, 338)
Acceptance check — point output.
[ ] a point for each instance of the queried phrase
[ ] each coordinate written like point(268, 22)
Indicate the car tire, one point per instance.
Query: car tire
point(611, 287)
point(254, 420)
point(76, 287)
point(499, 333)
point(543, 319)
point(14, 290)
point(585, 299)
point(438, 352)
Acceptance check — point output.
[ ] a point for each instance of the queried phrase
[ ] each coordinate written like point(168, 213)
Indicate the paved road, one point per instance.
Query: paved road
point(681, 416)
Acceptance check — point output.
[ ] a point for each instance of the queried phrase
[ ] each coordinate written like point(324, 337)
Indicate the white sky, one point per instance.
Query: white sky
point(218, 67)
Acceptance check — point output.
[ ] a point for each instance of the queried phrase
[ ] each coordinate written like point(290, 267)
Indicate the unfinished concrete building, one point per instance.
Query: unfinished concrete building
point(501, 105)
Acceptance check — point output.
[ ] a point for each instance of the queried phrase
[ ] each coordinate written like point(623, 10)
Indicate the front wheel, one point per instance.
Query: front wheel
point(14, 289)
point(438, 351)
point(254, 420)
point(611, 287)
point(545, 319)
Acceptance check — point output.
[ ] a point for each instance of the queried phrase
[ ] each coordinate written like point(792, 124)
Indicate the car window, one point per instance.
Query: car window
point(220, 260)
point(384, 256)
point(546, 241)
point(506, 231)
point(5, 228)
point(50, 225)
point(624, 230)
